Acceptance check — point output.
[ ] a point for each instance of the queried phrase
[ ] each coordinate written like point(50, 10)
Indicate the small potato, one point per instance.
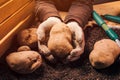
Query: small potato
point(60, 40)
point(23, 48)
point(28, 37)
point(24, 62)
point(104, 53)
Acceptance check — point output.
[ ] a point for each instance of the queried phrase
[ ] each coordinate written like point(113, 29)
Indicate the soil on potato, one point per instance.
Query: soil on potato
point(78, 70)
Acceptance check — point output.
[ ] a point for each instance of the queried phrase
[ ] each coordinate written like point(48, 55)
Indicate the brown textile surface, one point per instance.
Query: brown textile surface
point(78, 10)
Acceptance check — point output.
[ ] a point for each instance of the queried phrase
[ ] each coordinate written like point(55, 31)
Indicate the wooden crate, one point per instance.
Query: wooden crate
point(18, 19)
point(112, 8)
point(8, 7)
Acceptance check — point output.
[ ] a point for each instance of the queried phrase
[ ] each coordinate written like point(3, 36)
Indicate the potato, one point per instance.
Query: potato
point(23, 48)
point(60, 40)
point(28, 37)
point(24, 62)
point(104, 53)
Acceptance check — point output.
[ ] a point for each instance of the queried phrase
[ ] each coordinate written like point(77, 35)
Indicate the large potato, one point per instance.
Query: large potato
point(28, 37)
point(60, 40)
point(104, 53)
point(24, 61)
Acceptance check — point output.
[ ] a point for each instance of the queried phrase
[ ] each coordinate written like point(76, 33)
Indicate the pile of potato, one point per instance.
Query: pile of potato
point(25, 60)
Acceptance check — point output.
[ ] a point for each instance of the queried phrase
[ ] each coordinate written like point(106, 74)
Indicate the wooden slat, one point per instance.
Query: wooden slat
point(13, 20)
point(6, 41)
point(3, 1)
point(112, 8)
point(8, 7)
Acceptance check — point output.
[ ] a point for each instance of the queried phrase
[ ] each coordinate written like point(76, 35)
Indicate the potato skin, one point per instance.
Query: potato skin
point(24, 62)
point(28, 37)
point(104, 53)
point(60, 40)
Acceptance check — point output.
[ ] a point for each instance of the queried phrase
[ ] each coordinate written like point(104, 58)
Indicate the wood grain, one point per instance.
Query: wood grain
point(8, 7)
point(112, 8)
point(19, 20)
point(14, 19)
